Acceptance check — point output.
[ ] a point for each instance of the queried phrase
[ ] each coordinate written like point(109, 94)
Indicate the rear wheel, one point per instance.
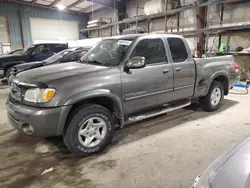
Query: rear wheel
point(212, 101)
point(90, 130)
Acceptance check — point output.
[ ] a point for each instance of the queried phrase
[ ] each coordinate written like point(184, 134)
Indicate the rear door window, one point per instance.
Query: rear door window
point(178, 50)
point(59, 47)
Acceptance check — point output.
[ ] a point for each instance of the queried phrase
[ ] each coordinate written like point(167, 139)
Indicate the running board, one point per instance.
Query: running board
point(155, 113)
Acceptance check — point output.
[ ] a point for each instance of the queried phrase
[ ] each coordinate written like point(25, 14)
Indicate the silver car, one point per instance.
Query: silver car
point(230, 170)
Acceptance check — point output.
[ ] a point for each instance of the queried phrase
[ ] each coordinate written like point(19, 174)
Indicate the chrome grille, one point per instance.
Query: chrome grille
point(15, 91)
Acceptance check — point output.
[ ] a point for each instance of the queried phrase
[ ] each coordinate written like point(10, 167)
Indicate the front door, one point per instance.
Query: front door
point(41, 52)
point(184, 69)
point(149, 86)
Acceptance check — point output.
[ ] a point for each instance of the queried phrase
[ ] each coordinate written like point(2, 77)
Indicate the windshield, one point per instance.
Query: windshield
point(28, 50)
point(57, 56)
point(108, 52)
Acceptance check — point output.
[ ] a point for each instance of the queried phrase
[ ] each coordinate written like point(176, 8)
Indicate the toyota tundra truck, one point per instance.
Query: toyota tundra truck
point(120, 80)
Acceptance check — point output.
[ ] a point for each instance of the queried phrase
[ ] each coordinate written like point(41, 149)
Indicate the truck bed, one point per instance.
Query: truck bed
point(218, 59)
point(206, 67)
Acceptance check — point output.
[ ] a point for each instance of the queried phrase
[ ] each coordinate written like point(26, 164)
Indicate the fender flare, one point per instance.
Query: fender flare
point(215, 75)
point(89, 95)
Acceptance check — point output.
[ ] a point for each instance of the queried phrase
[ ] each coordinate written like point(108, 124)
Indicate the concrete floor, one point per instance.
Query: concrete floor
point(166, 151)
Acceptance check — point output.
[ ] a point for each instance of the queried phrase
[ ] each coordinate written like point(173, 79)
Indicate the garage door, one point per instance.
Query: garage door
point(4, 35)
point(51, 29)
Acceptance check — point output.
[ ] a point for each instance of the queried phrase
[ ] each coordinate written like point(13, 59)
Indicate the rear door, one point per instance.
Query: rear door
point(184, 68)
point(149, 86)
point(59, 47)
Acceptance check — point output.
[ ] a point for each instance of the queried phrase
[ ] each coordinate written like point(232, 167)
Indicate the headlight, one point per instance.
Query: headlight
point(39, 95)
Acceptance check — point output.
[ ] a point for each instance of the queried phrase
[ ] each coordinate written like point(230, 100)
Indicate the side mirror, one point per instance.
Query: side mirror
point(64, 60)
point(136, 62)
point(33, 54)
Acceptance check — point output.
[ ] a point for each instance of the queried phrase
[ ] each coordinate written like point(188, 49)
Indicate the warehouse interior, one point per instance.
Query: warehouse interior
point(170, 149)
point(224, 22)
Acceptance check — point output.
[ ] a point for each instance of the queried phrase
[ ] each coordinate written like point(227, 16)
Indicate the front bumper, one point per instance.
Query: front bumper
point(44, 121)
point(1, 73)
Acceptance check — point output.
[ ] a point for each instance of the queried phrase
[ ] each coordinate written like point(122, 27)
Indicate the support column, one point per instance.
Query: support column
point(201, 23)
point(221, 20)
point(20, 15)
point(121, 11)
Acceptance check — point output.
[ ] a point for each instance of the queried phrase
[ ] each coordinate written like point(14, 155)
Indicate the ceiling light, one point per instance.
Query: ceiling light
point(60, 7)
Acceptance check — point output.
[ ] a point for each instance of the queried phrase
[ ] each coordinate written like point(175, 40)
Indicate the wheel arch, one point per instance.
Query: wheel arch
point(221, 77)
point(101, 97)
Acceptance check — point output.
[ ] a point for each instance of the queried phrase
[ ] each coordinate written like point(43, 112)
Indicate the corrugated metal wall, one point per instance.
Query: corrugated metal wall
point(13, 12)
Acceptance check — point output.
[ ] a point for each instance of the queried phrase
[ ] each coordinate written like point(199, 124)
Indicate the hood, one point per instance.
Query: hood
point(6, 55)
point(230, 170)
point(12, 57)
point(235, 170)
point(9, 55)
point(27, 66)
point(58, 71)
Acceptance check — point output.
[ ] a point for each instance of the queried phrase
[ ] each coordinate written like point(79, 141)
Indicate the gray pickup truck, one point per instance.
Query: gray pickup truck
point(122, 79)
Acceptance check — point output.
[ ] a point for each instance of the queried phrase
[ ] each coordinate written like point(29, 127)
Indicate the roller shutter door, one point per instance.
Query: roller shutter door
point(51, 29)
point(4, 35)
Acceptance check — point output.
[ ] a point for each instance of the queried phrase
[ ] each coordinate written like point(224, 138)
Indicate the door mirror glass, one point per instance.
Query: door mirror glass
point(68, 58)
point(64, 60)
point(33, 53)
point(136, 62)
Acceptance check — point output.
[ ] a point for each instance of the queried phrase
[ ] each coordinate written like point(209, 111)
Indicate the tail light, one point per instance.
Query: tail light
point(236, 67)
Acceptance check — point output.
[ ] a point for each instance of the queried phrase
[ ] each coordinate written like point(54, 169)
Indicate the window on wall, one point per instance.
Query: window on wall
point(178, 50)
point(152, 49)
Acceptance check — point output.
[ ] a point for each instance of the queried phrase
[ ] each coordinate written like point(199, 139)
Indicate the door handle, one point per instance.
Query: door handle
point(177, 69)
point(165, 71)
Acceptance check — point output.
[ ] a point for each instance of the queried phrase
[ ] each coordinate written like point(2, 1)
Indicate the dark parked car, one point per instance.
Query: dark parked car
point(37, 52)
point(71, 54)
point(230, 170)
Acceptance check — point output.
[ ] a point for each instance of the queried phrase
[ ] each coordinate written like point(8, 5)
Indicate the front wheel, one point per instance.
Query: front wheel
point(90, 130)
point(212, 101)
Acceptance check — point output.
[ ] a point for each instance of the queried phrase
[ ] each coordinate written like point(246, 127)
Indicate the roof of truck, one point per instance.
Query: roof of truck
point(133, 36)
point(127, 37)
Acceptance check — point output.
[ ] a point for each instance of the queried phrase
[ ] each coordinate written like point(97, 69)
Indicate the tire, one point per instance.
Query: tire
point(207, 103)
point(8, 73)
point(96, 114)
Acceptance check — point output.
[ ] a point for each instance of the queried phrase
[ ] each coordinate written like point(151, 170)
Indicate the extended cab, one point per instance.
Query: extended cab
point(37, 52)
point(122, 79)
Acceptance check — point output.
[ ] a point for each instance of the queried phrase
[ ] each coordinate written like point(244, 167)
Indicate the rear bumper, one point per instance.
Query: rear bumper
point(44, 121)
